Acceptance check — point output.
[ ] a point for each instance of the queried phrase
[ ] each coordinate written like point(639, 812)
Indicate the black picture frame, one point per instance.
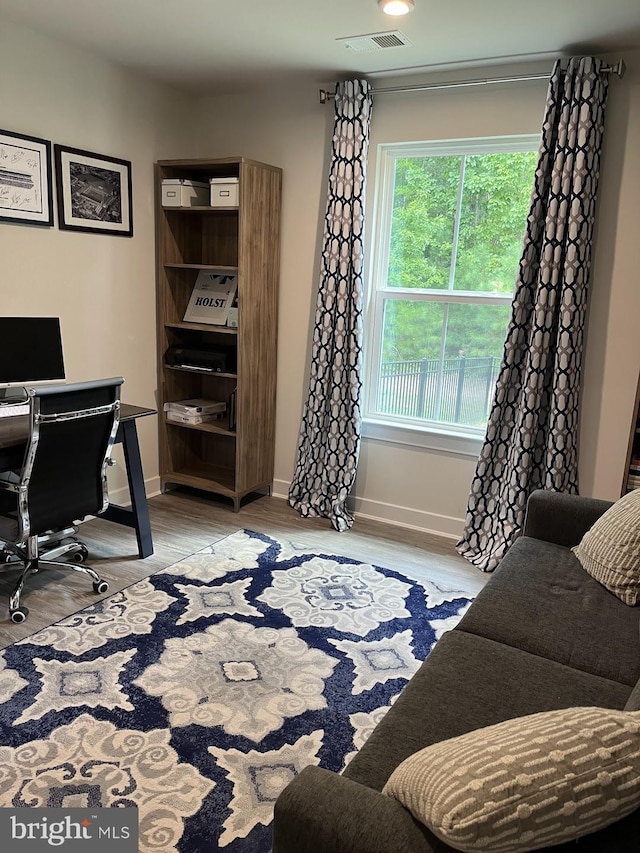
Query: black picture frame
point(26, 187)
point(93, 192)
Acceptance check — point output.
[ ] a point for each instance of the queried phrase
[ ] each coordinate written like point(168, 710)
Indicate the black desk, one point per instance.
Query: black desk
point(14, 431)
point(138, 515)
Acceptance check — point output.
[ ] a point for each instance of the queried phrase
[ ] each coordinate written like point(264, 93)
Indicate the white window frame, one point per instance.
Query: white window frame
point(459, 439)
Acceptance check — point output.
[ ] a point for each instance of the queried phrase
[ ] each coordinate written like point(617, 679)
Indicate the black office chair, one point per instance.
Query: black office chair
point(63, 476)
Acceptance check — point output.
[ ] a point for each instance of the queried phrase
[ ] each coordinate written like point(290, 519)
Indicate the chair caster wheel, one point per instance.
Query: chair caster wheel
point(81, 554)
point(100, 587)
point(19, 614)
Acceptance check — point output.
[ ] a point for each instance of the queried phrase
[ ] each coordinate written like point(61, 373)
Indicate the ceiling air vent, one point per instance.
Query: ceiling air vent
point(376, 41)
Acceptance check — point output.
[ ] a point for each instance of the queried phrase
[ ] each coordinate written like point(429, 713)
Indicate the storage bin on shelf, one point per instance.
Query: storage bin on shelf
point(224, 192)
point(180, 192)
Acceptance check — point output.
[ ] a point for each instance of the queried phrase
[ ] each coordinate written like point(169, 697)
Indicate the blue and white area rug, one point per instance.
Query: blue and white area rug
point(197, 694)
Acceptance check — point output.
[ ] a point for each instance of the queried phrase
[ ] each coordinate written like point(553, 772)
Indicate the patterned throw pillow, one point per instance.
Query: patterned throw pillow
point(526, 783)
point(610, 550)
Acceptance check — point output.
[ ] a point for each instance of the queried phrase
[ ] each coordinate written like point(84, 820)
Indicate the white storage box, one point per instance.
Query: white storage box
point(224, 192)
point(180, 192)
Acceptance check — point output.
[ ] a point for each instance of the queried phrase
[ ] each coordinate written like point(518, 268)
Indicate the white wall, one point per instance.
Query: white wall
point(613, 343)
point(101, 286)
point(418, 487)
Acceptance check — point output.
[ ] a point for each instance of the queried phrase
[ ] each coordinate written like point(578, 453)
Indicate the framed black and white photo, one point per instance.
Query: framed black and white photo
point(25, 179)
point(94, 192)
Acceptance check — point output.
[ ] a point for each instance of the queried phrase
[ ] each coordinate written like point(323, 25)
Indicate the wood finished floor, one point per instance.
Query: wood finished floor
point(184, 522)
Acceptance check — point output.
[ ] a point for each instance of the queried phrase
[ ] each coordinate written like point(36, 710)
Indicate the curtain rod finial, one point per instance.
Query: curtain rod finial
point(619, 68)
point(325, 96)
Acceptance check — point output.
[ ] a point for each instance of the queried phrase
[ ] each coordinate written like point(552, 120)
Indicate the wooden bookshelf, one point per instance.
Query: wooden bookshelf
point(243, 241)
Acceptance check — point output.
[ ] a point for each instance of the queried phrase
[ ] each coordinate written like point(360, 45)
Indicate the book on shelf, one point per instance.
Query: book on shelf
point(633, 481)
point(211, 298)
point(232, 409)
point(197, 406)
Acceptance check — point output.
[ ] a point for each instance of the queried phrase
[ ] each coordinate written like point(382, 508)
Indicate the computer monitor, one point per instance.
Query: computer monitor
point(30, 352)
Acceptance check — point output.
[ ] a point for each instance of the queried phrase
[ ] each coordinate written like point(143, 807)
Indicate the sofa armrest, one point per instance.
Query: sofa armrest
point(561, 518)
point(320, 810)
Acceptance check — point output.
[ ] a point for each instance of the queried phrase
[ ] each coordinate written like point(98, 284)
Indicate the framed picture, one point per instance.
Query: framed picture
point(25, 179)
point(94, 192)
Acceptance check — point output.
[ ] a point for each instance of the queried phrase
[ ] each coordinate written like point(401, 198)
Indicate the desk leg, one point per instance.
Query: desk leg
point(138, 516)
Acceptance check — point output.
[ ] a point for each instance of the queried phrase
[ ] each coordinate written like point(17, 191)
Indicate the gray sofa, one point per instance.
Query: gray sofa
point(542, 635)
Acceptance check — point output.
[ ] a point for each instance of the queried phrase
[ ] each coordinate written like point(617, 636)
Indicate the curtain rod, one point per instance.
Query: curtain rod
point(618, 68)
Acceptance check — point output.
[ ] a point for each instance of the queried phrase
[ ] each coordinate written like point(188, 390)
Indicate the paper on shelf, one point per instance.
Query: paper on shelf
point(211, 298)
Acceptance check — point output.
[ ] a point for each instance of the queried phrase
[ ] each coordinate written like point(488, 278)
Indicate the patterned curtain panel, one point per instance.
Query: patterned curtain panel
point(329, 440)
point(531, 438)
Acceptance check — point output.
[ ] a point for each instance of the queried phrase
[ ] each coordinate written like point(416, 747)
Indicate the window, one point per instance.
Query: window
point(450, 220)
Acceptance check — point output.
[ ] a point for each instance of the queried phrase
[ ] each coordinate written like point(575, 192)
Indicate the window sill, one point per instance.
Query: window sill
point(442, 441)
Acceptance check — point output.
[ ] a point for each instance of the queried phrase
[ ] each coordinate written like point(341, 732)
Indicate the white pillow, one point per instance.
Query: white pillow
point(527, 783)
point(610, 550)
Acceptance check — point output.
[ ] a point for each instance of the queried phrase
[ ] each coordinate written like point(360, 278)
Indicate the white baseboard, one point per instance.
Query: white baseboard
point(121, 496)
point(280, 489)
point(401, 516)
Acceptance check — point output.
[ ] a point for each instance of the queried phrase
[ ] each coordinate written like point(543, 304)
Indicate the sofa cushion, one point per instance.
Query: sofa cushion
point(610, 549)
point(541, 600)
point(322, 812)
point(561, 518)
point(468, 682)
point(526, 783)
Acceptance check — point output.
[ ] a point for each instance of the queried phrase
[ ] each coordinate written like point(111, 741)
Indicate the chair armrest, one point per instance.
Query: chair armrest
point(561, 518)
point(320, 810)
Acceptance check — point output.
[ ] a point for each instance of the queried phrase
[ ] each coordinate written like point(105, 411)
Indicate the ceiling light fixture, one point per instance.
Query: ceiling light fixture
point(397, 7)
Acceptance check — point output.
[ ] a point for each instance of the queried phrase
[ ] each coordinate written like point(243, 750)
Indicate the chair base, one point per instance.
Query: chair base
point(32, 565)
point(51, 546)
